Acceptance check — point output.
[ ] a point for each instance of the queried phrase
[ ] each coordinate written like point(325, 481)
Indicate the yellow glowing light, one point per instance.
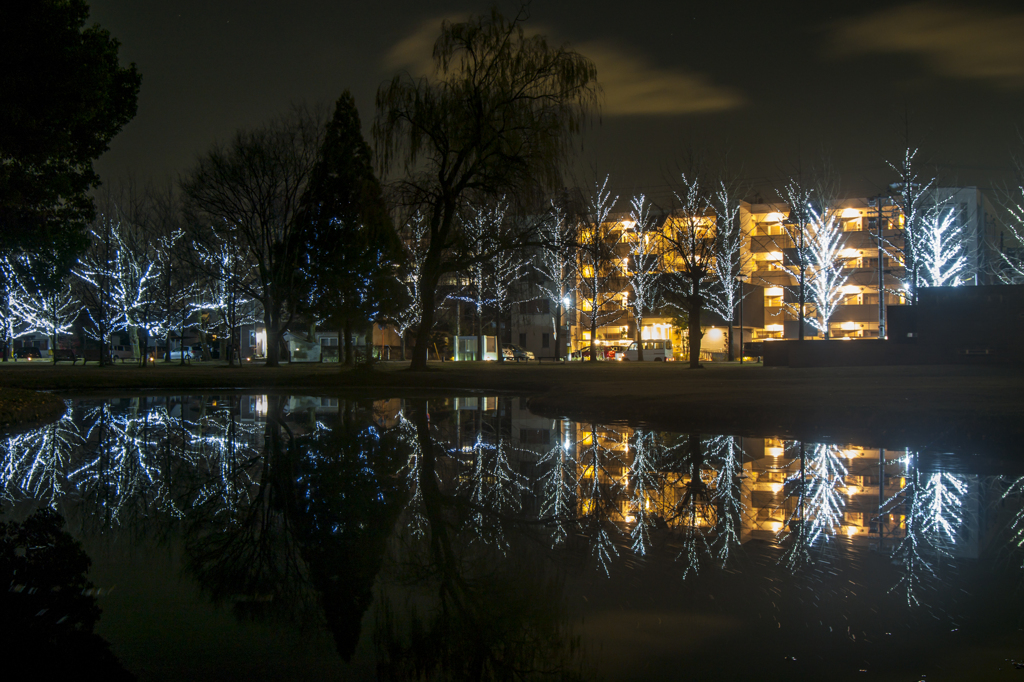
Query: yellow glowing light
point(773, 452)
point(849, 326)
point(774, 217)
point(773, 291)
point(850, 531)
point(851, 213)
point(775, 487)
point(851, 289)
point(774, 255)
point(850, 253)
point(774, 328)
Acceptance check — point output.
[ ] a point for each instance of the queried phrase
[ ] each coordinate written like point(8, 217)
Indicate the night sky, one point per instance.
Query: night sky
point(771, 87)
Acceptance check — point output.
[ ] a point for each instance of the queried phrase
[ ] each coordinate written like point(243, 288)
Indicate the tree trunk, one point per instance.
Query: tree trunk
point(593, 333)
point(273, 340)
point(479, 331)
point(558, 330)
point(429, 278)
point(497, 330)
point(639, 338)
point(694, 331)
point(732, 356)
point(368, 360)
point(350, 352)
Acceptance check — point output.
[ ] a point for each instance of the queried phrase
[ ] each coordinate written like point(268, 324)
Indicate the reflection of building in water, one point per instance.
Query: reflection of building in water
point(863, 493)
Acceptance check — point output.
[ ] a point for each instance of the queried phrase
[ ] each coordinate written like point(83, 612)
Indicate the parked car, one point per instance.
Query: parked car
point(507, 354)
point(122, 354)
point(518, 353)
point(176, 354)
point(27, 353)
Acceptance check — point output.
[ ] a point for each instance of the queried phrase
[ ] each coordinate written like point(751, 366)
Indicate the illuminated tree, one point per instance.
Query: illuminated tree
point(226, 274)
point(118, 273)
point(823, 247)
point(941, 249)
point(43, 310)
point(599, 285)
point(730, 262)
point(556, 266)
point(414, 241)
point(646, 262)
point(495, 118)
point(692, 246)
point(505, 274)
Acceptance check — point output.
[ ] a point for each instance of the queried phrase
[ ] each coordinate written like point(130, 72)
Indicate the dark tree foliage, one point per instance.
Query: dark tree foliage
point(495, 119)
point(48, 608)
point(349, 244)
point(65, 96)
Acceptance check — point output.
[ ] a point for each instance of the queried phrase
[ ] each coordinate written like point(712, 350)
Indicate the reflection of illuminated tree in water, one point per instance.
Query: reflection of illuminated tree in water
point(601, 489)
point(725, 450)
point(645, 479)
point(558, 487)
point(48, 606)
point(470, 610)
point(692, 516)
point(933, 504)
point(818, 511)
point(34, 463)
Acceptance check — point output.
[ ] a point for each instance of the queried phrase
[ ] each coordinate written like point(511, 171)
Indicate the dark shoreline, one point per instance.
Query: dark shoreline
point(938, 408)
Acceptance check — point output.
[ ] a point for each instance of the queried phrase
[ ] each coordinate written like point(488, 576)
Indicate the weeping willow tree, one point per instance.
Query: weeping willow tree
point(497, 116)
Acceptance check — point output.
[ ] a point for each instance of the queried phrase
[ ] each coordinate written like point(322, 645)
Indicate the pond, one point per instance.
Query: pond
point(462, 537)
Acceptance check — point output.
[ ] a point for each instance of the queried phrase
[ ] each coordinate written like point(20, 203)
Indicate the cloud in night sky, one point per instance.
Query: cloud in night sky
point(958, 42)
point(632, 86)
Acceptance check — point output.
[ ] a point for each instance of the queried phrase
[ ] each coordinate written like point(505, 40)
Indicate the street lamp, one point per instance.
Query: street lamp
point(799, 221)
point(740, 278)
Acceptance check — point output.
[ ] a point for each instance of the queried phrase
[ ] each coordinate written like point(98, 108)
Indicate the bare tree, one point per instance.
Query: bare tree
point(911, 196)
point(253, 186)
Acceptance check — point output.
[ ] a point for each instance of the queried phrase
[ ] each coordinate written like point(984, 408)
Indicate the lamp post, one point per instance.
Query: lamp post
point(798, 220)
point(740, 278)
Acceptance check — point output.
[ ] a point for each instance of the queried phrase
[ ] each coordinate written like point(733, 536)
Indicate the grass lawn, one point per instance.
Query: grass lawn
point(936, 405)
point(21, 408)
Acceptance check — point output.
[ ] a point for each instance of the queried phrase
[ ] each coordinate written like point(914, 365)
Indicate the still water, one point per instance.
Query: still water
point(295, 537)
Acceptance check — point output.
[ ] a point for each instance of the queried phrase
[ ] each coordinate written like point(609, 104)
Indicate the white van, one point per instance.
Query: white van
point(657, 350)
